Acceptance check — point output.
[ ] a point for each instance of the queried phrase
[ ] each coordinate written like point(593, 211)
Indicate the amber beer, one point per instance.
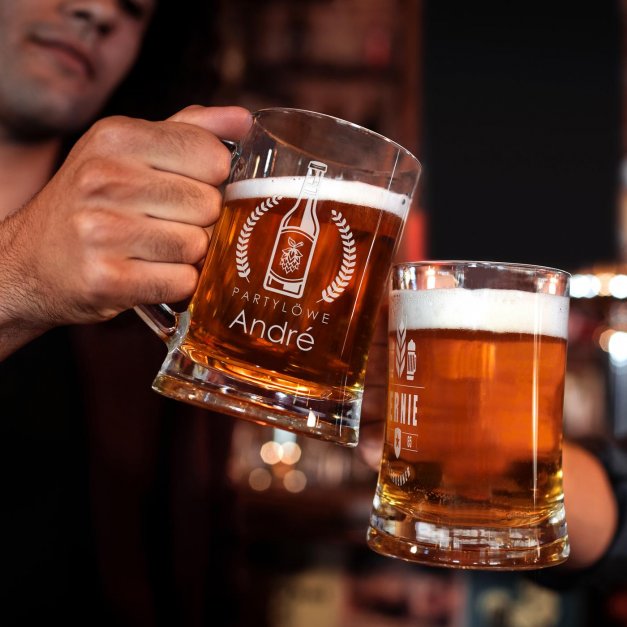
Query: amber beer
point(310, 346)
point(279, 327)
point(472, 453)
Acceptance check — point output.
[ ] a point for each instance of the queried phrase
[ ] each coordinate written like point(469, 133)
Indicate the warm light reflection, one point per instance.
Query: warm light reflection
point(601, 284)
point(271, 452)
point(295, 481)
point(260, 479)
point(430, 274)
point(311, 419)
point(604, 339)
point(604, 281)
point(584, 286)
point(291, 453)
point(553, 285)
point(618, 286)
point(617, 348)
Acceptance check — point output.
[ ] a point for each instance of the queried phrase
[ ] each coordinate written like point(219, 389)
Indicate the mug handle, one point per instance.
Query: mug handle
point(162, 319)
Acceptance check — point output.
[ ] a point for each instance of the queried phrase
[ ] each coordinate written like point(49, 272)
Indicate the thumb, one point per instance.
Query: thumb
point(224, 122)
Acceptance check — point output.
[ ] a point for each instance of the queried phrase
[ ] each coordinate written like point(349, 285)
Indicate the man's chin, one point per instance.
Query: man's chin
point(36, 124)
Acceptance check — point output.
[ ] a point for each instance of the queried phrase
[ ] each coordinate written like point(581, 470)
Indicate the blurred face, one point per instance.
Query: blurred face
point(61, 59)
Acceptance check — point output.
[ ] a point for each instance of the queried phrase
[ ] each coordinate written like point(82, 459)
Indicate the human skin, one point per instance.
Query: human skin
point(121, 223)
point(591, 508)
point(123, 220)
point(61, 60)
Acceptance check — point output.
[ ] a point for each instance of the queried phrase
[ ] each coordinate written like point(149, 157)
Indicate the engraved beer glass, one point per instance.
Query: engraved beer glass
point(471, 475)
point(279, 327)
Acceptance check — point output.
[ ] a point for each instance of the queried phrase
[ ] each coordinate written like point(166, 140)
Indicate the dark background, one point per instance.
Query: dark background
point(522, 131)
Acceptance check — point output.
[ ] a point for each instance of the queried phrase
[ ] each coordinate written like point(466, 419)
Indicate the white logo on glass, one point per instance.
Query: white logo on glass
point(404, 354)
point(295, 243)
point(397, 442)
point(296, 239)
point(401, 350)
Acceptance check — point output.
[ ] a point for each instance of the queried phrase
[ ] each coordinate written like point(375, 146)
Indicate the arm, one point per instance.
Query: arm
point(121, 223)
point(591, 508)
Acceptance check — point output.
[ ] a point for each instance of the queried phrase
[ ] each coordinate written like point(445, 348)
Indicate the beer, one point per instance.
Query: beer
point(279, 327)
point(314, 345)
point(474, 417)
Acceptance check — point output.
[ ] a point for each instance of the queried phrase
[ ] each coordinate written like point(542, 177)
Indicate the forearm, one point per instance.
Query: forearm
point(16, 326)
point(13, 336)
point(591, 508)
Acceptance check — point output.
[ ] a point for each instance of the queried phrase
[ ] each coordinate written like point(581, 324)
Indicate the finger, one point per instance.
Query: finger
point(161, 282)
point(112, 235)
point(161, 195)
point(119, 286)
point(176, 147)
point(225, 122)
point(189, 202)
point(189, 151)
point(178, 243)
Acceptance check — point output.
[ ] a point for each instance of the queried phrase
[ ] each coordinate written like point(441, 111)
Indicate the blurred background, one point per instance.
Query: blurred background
point(518, 113)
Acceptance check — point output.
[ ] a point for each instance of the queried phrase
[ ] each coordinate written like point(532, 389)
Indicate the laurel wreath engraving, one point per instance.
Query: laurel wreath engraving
point(241, 252)
point(400, 349)
point(343, 278)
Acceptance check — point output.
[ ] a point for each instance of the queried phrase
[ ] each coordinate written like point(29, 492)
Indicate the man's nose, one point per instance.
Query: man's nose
point(96, 16)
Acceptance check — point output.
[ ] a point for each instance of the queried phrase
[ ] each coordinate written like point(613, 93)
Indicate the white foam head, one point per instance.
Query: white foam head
point(500, 311)
point(351, 192)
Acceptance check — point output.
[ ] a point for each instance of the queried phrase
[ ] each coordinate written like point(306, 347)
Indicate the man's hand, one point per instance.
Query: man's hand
point(121, 223)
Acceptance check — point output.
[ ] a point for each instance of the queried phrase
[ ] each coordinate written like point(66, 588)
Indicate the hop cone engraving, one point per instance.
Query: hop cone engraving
point(290, 257)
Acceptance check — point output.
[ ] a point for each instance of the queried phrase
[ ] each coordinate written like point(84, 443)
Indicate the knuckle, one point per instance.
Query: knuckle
point(193, 108)
point(111, 131)
point(94, 226)
point(95, 174)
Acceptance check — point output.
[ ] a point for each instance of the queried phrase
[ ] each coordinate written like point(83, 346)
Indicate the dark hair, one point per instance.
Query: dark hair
point(176, 66)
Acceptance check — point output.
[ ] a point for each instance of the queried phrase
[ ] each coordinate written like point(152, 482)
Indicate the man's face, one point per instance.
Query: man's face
point(61, 59)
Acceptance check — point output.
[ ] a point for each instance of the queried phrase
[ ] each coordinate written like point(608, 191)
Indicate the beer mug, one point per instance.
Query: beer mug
point(471, 474)
point(279, 327)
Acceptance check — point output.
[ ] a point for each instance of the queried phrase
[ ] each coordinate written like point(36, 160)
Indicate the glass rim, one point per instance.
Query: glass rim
point(362, 129)
point(469, 263)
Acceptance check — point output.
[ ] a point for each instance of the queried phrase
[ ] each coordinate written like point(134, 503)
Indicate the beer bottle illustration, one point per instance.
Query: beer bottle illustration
point(296, 239)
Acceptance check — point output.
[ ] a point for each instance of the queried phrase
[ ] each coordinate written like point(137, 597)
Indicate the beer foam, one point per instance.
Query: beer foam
point(350, 192)
point(500, 311)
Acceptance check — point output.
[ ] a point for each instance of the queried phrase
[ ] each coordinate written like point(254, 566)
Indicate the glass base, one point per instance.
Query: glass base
point(396, 533)
point(183, 379)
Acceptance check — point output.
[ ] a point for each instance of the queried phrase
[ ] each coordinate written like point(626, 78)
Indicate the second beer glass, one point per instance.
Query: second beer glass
point(471, 475)
point(279, 328)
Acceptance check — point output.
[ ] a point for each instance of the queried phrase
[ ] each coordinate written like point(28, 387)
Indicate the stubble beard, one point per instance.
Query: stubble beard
point(31, 112)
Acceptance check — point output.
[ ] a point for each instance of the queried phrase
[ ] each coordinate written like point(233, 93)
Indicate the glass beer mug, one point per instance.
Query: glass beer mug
point(279, 327)
point(471, 475)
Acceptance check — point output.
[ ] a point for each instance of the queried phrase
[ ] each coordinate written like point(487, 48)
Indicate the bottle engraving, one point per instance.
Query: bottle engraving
point(296, 239)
